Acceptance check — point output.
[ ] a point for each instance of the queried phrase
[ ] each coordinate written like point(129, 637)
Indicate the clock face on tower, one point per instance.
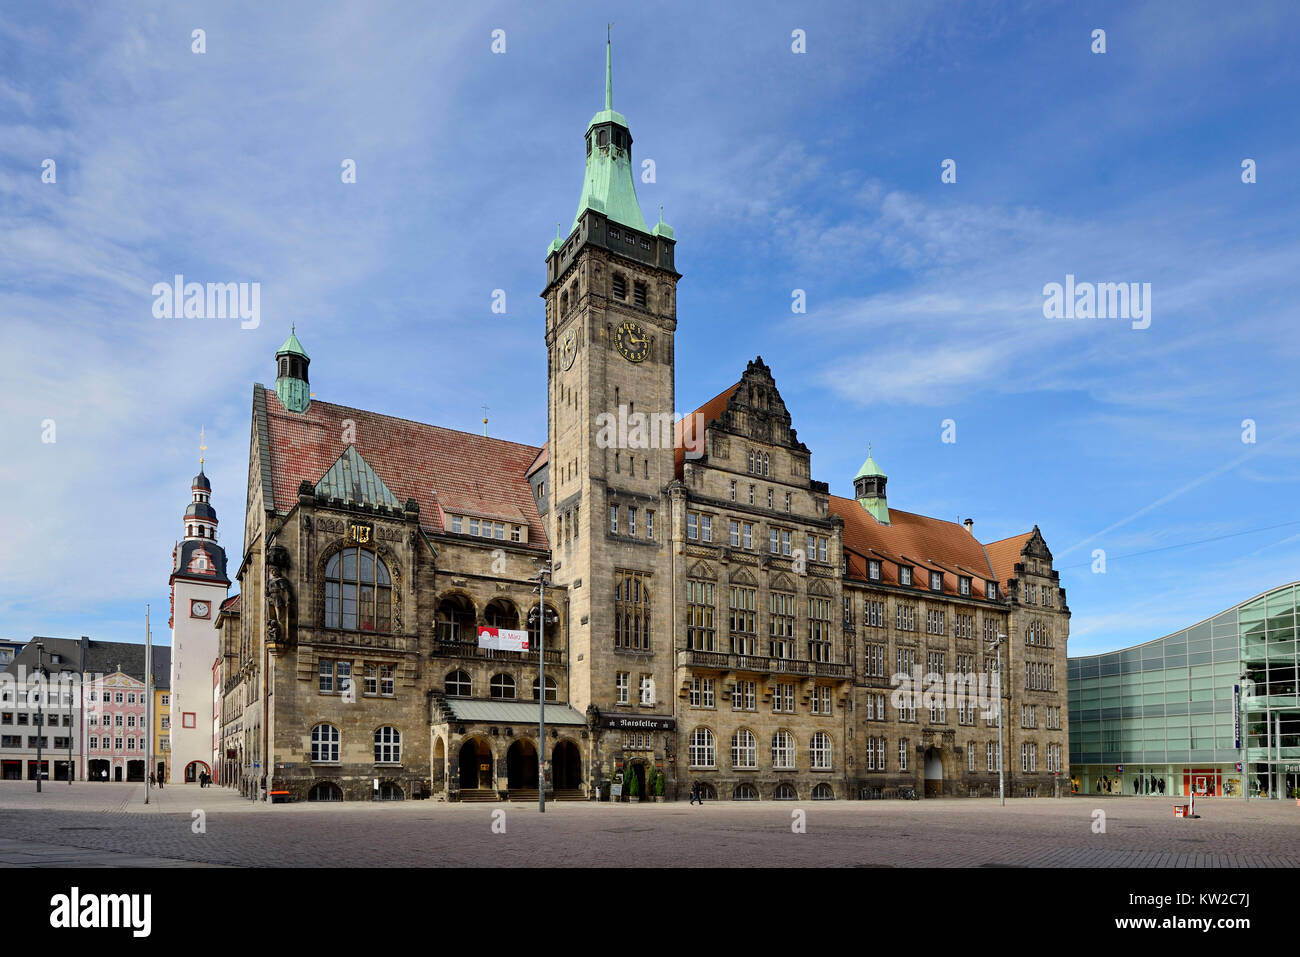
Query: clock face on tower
point(633, 342)
point(569, 349)
point(199, 609)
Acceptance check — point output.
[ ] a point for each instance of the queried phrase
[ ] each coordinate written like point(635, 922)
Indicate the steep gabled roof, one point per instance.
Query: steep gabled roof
point(443, 470)
point(707, 413)
point(1005, 553)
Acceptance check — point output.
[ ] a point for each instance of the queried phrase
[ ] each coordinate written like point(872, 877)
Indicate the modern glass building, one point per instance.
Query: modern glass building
point(1165, 718)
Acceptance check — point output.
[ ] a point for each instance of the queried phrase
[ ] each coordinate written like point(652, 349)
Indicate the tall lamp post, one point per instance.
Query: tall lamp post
point(40, 711)
point(1241, 742)
point(542, 573)
point(996, 645)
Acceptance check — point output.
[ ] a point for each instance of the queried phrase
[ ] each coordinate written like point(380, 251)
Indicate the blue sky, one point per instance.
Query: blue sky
point(779, 171)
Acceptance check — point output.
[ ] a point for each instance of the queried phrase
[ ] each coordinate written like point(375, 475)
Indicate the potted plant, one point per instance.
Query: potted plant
point(633, 785)
point(659, 786)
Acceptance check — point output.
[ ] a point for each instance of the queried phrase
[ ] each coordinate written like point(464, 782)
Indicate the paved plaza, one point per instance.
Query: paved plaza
point(108, 825)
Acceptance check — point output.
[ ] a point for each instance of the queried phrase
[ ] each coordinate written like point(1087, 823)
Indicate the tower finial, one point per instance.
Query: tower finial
point(485, 412)
point(202, 446)
point(609, 73)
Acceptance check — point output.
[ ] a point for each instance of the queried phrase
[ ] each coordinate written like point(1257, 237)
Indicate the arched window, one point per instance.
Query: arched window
point(745, 792)
point(501, 614)
point(823, 792)
point(785, 792)
point(325, 791)
point(552, 694)
point(458, 684)
point(703, 753)
point(455, 619)
point(819, 751)
point(632, 613)
point(388, 746)
point(503, 686)
point(358, 592)
point(783, 750)
point(744, 750)
point(389, 791)
point(325, 744)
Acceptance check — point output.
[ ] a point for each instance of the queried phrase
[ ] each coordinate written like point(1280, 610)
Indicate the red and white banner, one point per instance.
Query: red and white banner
point(503, 639)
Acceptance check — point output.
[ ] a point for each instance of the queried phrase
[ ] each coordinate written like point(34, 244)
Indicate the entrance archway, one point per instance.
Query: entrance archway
point(521, 766)
point(566, 766)
point(933, 773)
point(475, 765)
point(192, 770)
point(437, 771)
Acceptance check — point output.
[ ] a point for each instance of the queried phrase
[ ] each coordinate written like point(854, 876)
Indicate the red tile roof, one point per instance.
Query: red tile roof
point(543, 457)
point(1005, 553)
point(444, 470)
point(928, 544)
point(231, 604)
point(709, 411)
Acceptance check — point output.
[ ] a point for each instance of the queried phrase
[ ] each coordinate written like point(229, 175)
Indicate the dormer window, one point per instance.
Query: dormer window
point(904, 575)
point(991, 591)
point(936, 581)
point(964, 585)
point(873, 570)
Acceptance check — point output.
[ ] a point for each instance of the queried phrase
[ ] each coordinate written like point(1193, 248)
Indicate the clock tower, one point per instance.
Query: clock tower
point(198, 587)
point(611, 292)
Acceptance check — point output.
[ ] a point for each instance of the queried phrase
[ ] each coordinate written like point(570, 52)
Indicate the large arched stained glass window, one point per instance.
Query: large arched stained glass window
point(358, 592)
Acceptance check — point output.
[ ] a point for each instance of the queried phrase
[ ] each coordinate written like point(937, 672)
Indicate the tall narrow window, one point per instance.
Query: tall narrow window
point(632, 613)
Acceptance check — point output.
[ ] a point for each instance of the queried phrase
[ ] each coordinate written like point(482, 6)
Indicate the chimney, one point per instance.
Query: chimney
point(970, 526)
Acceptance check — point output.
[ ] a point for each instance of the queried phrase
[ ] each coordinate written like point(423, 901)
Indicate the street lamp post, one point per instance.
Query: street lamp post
point(40, 712)
point(542, 573)
point(1241, 744)
point(996, 644)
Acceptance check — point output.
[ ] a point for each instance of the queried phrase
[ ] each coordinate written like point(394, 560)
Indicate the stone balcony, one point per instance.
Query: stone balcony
point(470, 649)
point(763, 664)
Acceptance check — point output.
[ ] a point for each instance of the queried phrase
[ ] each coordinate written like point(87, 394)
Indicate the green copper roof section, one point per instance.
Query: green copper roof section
point(608, 186)
point(292, 345)
point(869, 467)
point(351, 479)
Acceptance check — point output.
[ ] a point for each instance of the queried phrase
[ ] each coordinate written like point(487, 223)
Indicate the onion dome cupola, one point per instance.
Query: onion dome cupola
point(609, 187)
point(198, 555)
point(291, 383)
point(869, 489)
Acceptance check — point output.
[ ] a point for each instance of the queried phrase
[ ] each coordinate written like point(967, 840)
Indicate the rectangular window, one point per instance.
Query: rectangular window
point(646, 691)
point(516, 535)
point(783, 698)
point(821, 700)
point(991, 591)
point(699, 616)
point(613, 519)
point(631, 521)
point(964, 585)
point(773, 541)
point(94, 743)
point(902, 754)
point(473, 526)
point(733, 491)
point(744, 618)
point(746, 535)
point(936, 581)
point(166, 722)
point(751, 495)
point(744, 696)
point(326, 676)
point(649, 524)
point(638, 294)
point(370, 682)
point(692, 526)
point(873, 570)
point(706, 528)
point(970, 755)
point(781, 622)
point(620, 284)
point(821, 549)
point(457, 524)
point(386, 684)
point(166, 700)
point(875, 661)
point(819, 629)
point(785, 543)
point(904, 575)
point(188, 719)
point(769, 497)
point(620, 686)
point(733, 534)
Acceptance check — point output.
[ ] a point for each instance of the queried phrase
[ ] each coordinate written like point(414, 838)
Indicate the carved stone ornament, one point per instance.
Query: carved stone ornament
point(279, 599)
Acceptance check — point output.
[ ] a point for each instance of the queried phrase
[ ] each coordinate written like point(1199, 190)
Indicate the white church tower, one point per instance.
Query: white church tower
point(199, 585)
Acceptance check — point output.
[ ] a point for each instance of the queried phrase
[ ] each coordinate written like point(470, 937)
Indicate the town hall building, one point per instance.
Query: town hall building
point(712, 613)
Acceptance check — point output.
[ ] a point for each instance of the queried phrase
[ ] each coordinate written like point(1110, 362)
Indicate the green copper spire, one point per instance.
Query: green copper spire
point(608, 186)
point(291, 387)
point(609, 75)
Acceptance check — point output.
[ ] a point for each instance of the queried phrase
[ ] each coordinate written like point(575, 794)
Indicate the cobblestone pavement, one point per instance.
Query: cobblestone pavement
point(109, 825)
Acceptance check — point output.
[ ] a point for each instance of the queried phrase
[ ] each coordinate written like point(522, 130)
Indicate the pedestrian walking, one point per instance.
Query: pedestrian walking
point(695, 791)
point(151, 779)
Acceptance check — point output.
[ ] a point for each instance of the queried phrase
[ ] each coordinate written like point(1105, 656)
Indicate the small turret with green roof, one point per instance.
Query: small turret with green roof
point(291, 385)
point(869, 488)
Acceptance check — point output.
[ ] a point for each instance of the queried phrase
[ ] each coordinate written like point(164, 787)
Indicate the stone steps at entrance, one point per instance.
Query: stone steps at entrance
point(522, 794)
point(478, 796)
point(569, 795)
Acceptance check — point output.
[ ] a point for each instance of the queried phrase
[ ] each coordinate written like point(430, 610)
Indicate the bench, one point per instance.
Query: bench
point(278, 797)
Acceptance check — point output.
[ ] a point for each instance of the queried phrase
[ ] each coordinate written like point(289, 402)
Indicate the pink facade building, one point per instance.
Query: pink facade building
point(116, 733)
